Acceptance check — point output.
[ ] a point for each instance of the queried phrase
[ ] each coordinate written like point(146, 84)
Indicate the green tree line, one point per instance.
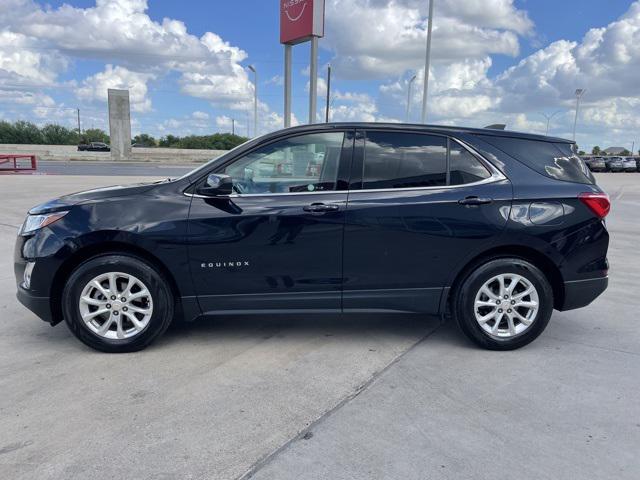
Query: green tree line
point(598, 151)
point(21, 132)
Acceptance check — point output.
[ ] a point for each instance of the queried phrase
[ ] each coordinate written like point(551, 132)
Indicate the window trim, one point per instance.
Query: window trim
point(345, 151)
point(496, 175)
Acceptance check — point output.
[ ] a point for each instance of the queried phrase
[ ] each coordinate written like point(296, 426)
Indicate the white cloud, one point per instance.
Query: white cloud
point(21, 63)
point(381, 38)
point(95, 87)
point(198, 115)
point(26, 98)
point(122, 34)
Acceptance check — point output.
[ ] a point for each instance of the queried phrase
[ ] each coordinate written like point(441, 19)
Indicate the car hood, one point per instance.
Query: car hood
point(96, 194)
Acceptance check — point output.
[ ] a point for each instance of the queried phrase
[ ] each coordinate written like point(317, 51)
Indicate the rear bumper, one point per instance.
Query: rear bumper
point(580, 293)
point(41, 306)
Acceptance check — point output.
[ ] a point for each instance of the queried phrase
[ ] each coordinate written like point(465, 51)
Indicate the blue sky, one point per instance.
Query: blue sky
point(494, 60)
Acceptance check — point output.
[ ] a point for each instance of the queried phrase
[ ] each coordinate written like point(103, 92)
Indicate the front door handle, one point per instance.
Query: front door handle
point(475, 201)
point(321, 207)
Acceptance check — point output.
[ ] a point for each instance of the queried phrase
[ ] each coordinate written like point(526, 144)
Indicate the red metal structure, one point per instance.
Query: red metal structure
point(13, 163)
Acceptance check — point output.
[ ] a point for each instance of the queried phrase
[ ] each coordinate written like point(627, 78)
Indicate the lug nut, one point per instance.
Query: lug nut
point(499, 310)
point(498, 302)
point(113, 297)
point(123, 299)
point(125, 309)
point(116, 313)
point(513, 302)
point(506, 296)
point(509, 311)
point(108, 305)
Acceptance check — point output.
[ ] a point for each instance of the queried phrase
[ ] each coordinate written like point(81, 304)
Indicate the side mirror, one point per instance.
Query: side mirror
point(217, 184)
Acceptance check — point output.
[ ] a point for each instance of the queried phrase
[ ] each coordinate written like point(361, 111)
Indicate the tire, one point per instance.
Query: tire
point(511, 333)
point(129, 323)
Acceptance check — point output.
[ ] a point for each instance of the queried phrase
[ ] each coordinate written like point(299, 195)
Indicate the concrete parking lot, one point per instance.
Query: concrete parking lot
point(324, 397)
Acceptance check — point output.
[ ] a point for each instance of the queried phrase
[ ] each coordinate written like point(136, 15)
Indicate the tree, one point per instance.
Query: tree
point(58, 135)
point(145, 140)
point(596, 150)
point(625, 153)
point(170, 141)
point(27, 132)
point(582, 153)
point(94, 135)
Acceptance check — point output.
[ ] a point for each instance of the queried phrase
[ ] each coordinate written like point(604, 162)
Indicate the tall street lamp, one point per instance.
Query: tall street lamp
point(549, 117)
point(427, 62)
point(255, 99)
point(579, 94)
point(413, 79)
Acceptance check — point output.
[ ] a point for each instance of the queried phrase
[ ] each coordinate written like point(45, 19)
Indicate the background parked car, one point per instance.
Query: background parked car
point(615, 164)
point(94, 147)
point(630, 164)
point(596, 164)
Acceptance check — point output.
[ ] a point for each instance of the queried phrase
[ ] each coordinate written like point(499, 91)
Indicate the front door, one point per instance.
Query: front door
point(421, 206)
point(275, 244)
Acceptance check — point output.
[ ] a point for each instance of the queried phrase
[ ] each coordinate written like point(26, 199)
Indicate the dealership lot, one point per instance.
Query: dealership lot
point(360, 396)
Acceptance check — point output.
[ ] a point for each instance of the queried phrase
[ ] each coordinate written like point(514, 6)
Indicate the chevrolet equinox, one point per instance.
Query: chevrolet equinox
point(494, 228)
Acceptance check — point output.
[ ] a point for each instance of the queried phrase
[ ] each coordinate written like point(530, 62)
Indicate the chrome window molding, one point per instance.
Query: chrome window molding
point(493, 178)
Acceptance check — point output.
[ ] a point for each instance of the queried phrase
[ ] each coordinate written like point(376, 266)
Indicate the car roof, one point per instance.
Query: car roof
point(446, 129)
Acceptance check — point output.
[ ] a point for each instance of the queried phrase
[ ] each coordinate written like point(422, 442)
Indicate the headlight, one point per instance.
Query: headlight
point(36, 222)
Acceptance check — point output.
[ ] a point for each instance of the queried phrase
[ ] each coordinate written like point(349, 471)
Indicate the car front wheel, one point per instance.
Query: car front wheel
point(117, 303)
point(503, 304)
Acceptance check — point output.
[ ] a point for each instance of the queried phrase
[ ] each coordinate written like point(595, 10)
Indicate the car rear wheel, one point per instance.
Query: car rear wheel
point(117, 303)
point(503, 304)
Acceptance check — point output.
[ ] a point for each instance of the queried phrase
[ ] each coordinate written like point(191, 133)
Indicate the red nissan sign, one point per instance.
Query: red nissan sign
point(300, 20)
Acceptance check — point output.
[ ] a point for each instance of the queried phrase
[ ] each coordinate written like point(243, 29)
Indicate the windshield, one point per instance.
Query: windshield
point(204, 166)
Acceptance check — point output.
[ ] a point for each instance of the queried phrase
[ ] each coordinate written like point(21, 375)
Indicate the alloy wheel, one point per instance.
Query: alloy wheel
point(116, 305)
point(506, 305)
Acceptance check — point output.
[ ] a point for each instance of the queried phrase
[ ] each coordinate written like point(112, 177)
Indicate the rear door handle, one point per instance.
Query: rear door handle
point(475, 201)
point(321, 207)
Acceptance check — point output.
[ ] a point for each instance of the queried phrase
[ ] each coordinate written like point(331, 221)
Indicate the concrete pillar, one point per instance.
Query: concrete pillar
point(119, 124)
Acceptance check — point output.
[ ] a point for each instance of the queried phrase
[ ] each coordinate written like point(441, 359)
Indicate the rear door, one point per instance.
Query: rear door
point(276, 244)
point(419, 206)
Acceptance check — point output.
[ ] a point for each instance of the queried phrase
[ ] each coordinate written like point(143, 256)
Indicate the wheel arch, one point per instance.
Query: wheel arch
point(537, 258)
point(105, 248)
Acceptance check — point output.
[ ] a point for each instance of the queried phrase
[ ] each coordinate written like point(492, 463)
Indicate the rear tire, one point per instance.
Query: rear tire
point(117, 303)
point(503, 304)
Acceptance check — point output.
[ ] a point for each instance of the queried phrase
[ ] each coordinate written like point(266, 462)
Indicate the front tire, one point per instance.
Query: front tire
point(117, 303)
point(503, 304)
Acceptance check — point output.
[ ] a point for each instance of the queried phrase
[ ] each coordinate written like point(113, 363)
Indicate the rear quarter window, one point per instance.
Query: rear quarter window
point(554, 160)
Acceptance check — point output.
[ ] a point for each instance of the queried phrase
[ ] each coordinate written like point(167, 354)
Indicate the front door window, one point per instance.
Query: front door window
point(305, 163)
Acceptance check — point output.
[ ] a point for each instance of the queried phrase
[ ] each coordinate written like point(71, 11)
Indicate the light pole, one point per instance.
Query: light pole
point(427, 62)
point(549, 117)
point(255, 99)
point(413, 79)
point(579, 94)
point(313, 80)
point(326, 113)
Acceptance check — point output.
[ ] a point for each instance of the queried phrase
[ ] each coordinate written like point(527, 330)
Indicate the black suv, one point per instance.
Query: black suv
point(492, 227)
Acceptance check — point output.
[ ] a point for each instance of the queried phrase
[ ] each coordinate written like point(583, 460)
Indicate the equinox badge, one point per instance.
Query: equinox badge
point(224, 264)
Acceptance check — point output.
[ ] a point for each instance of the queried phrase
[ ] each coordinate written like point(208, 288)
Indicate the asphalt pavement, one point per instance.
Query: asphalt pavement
point(324, 396)
point(106, 168)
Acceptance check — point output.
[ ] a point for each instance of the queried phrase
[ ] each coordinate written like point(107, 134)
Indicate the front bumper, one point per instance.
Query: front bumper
point(41, 306)
point(580, 293)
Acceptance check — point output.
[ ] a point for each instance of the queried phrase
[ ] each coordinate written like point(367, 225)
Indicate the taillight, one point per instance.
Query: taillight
point(598, 203)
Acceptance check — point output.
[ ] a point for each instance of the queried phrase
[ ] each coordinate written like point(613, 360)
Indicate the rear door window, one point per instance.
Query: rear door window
point(465, 167)
point(555, 160)
point(404, 160)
